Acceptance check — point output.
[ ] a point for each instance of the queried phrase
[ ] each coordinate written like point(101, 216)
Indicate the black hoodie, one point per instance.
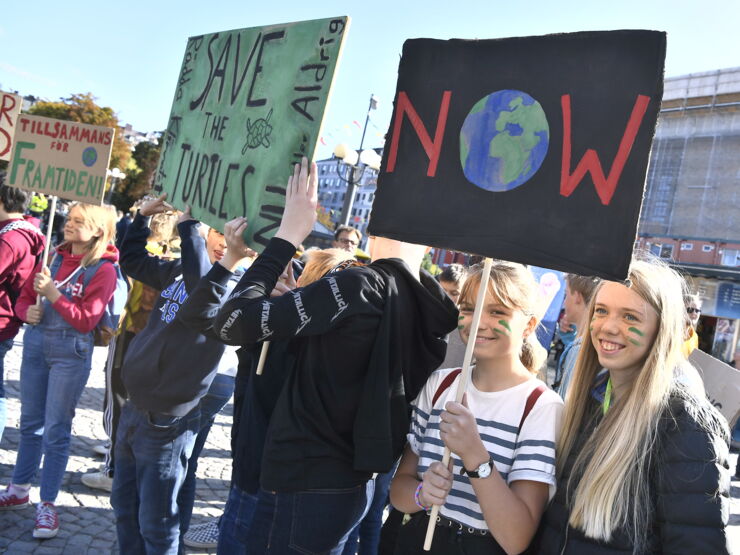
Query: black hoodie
point(365, 341)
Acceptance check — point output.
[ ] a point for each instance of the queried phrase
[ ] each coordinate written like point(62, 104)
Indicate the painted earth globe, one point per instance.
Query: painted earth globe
point(503, 140)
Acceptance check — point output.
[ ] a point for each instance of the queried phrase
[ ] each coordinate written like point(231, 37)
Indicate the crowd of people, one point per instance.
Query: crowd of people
point(344, 378)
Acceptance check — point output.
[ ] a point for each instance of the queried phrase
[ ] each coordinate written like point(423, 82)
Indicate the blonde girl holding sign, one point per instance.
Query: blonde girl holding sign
point(642, 461)
point(502, 436)
point(57, 353)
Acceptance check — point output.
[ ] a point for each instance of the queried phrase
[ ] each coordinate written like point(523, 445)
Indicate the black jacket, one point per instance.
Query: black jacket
point(168, 367)
point(365, 341)
point(689, 491)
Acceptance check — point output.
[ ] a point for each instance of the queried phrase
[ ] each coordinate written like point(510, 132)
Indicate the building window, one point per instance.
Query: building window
point(731, 257)
point(687, 246)
point(707, 248)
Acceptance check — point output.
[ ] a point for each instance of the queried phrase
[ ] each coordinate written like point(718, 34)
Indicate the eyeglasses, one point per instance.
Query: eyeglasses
point(693, 310)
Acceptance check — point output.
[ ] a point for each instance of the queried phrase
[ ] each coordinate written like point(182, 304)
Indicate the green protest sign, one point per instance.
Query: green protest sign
point(249, 104)
point(62, 158)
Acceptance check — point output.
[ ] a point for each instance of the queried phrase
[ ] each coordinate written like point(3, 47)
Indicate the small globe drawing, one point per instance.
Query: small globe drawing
point(504, 140)
point(89, 156)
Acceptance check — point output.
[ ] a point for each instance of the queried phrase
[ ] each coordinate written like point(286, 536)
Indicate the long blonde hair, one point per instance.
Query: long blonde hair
point(320, 262)
point(515, 287)
point(614, 464)
point(97, 218)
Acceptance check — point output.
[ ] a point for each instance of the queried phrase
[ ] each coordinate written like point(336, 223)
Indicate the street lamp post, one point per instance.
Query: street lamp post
point(351, 165)
point(115, 176)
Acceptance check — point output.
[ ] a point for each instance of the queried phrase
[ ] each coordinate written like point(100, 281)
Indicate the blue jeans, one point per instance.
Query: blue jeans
point(233, 528)
point(367, 532)
point(152, 452)
point(5, 346)
point(54, 371)
point(221, 390)
point(306, 522)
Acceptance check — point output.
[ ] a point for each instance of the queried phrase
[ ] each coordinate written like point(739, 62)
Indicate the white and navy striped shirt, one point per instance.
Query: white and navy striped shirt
point(526, 454)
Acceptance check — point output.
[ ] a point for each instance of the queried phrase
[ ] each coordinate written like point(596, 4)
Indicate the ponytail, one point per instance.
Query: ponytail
point(533, 354)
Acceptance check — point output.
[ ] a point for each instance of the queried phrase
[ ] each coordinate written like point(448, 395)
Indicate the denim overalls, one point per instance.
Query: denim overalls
point(56, 365)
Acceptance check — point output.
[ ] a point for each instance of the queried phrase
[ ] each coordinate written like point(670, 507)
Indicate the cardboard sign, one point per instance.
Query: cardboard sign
point(61, 158)
point(531, 149)
point(551, 294)
point(10, 108)
point(248, 105)
point(721, 382)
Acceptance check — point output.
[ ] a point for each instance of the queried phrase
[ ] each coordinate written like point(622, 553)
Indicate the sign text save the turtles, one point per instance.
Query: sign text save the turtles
point(248, 105)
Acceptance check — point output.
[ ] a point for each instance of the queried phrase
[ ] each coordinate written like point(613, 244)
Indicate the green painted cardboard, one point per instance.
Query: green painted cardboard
point(249, 104)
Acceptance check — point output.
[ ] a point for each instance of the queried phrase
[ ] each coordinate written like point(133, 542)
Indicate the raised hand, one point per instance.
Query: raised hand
point(236, 249)
point(155, 206)
point(300, 204)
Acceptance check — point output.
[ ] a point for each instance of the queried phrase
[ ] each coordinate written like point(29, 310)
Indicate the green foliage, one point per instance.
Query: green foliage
point(430, 267)
point(139, 173)
point(83, 109)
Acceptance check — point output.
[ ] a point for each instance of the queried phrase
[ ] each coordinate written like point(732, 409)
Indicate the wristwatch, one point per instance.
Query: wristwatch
point(483, 471)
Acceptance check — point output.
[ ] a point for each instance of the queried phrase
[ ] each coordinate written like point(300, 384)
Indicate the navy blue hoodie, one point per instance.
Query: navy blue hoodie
point(168, 367)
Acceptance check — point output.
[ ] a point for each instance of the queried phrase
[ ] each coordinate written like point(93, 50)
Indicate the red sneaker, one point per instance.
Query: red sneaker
point(11, 501)
point(47, 521)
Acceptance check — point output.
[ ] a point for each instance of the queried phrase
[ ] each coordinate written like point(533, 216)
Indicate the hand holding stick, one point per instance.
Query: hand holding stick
point(462, 385)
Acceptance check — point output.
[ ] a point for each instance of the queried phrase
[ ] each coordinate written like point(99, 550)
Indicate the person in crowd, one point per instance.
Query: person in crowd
point(38, 205)
point(366, 339)
point(21, 248)
point(578, 293)
point(255, 395)
point(502, 437)
point(139, 304)
point(166, 372)
point(122, 226)
point(452, 279)
point(693, 313)
point(347, 238)
point(57, 353)
point(642, 461)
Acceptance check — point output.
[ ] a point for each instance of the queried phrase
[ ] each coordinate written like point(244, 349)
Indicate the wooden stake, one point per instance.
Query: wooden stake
point(263, 356)
point(49, 231)
point(462, 385)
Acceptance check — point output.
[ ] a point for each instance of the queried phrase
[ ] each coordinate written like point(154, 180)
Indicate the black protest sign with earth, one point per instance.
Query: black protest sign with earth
point(530, 149)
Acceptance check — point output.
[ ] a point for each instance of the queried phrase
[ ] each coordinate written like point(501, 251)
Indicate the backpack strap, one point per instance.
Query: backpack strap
point(89, 272)
point(531, 400)
point(446, 383)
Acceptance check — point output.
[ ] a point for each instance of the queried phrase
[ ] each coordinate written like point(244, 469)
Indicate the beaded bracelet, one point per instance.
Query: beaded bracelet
point(416, 497)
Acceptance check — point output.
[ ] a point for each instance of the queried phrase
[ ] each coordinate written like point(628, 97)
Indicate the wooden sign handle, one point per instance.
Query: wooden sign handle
point(263, 357)
point(462, 385)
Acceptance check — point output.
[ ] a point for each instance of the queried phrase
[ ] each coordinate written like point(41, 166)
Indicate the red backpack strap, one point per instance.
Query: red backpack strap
point(446, 383)
point(531, 400)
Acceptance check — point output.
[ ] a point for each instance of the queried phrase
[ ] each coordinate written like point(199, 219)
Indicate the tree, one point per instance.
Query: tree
point(83, 109)
point(139, 175)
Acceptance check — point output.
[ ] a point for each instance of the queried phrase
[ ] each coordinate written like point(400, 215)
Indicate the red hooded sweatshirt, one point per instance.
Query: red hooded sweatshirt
point(20, 247)
point(84, 310)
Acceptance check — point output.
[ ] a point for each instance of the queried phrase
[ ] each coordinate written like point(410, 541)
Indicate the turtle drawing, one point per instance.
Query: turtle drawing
point(258, 133)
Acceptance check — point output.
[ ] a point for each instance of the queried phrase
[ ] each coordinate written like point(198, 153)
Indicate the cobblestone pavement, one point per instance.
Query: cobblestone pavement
point(87, 525)
point(86, 518)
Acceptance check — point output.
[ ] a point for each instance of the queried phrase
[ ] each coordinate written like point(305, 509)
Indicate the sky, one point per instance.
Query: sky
point(128, 54)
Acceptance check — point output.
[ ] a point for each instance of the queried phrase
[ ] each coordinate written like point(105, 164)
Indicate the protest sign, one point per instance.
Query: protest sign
point(721, 382)
point(531, 149)
point(61, 158)
point(551, 288)
point(249, 104)
point(10, 107)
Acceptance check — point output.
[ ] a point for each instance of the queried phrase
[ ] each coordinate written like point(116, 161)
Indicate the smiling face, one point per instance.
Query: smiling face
point(623, 328)
point(500, 332)
point(77, 229)
point(215, 245)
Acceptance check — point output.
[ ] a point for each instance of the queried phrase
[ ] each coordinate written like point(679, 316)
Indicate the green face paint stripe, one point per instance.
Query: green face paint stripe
point(460, 318)
point(502, 332)
point(634, 342)
point(636, 331)
point(505, 324)
point(461, 327)
point(590, 328)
